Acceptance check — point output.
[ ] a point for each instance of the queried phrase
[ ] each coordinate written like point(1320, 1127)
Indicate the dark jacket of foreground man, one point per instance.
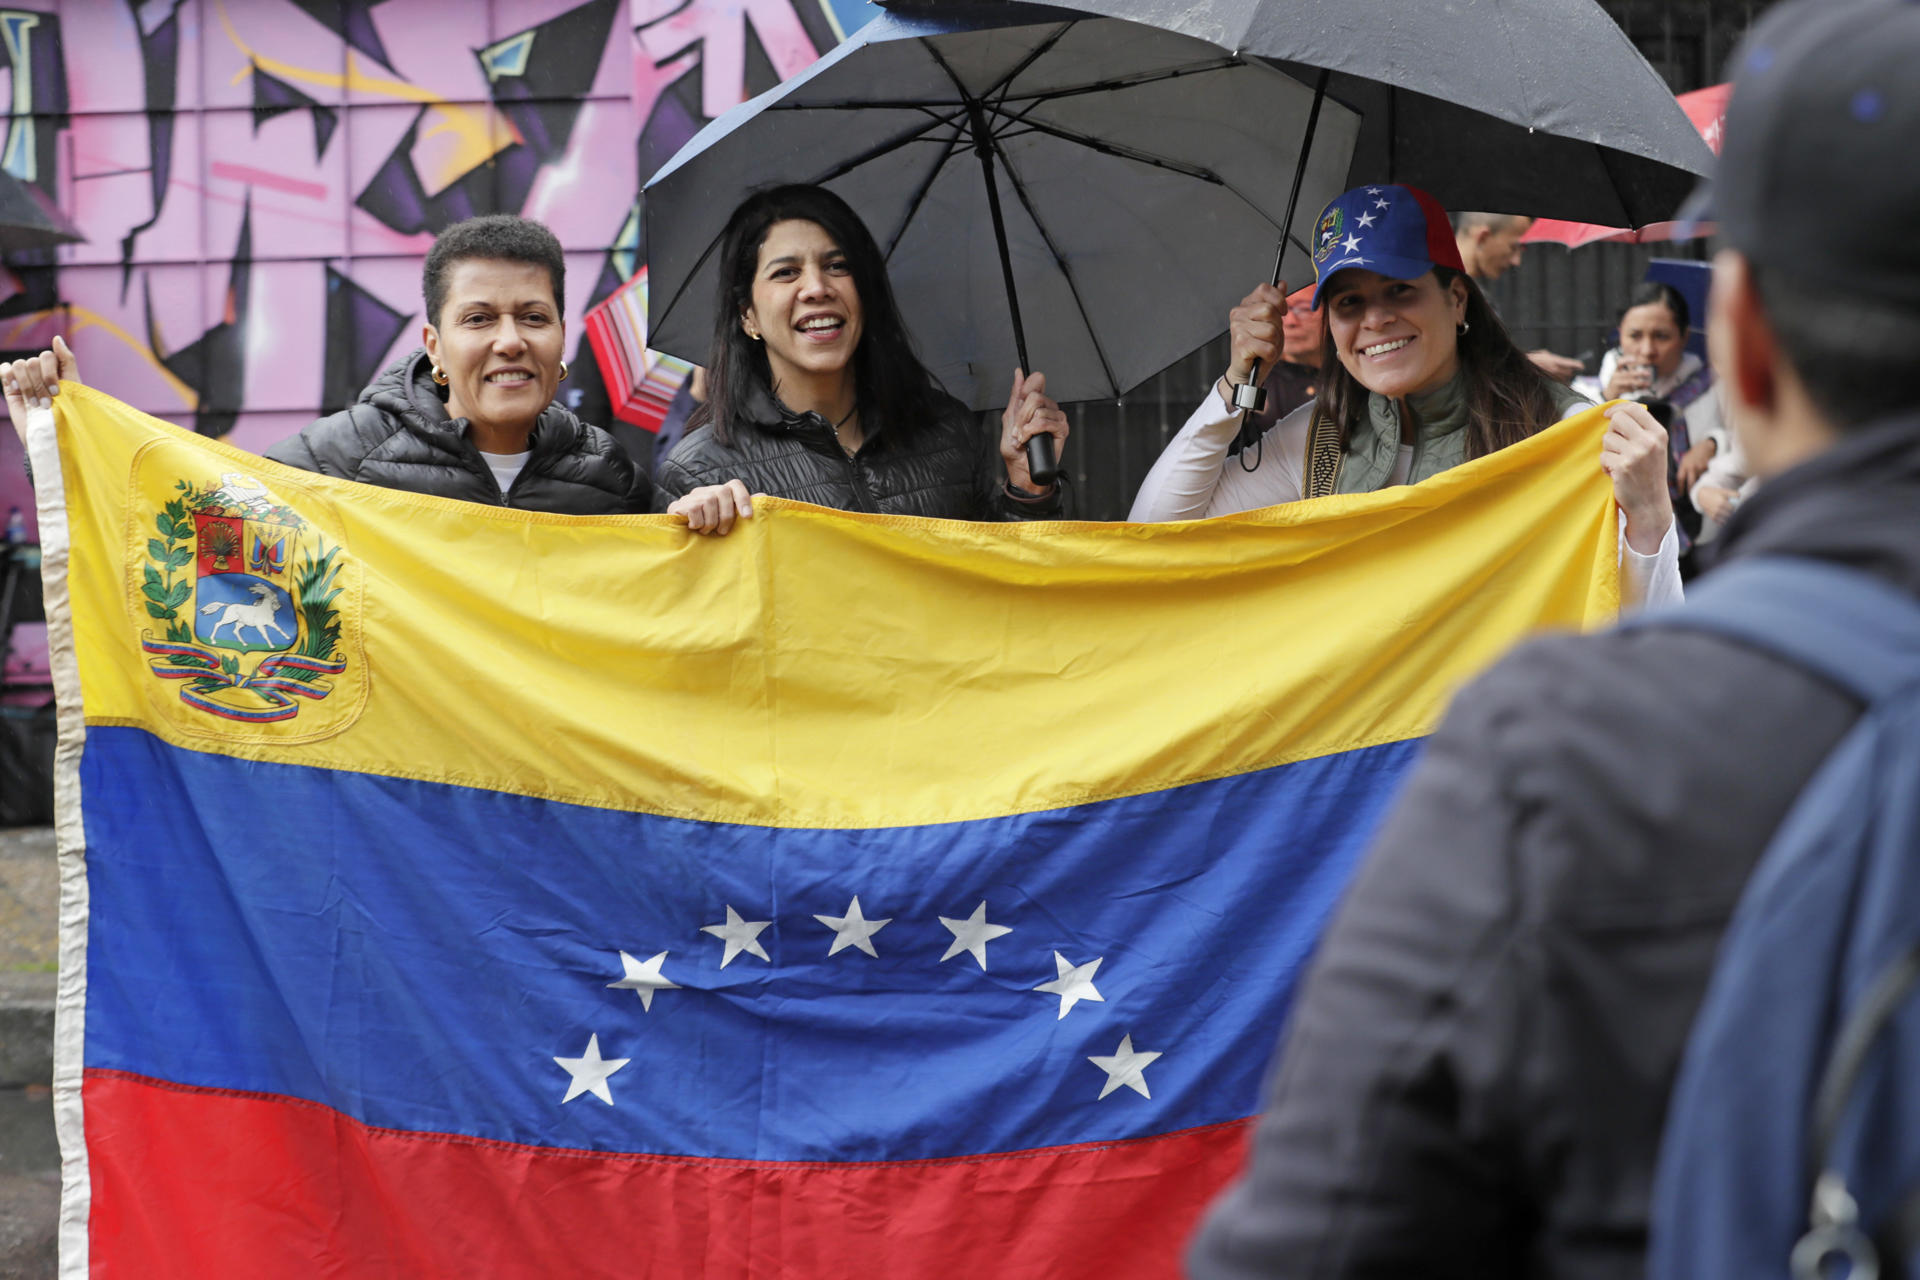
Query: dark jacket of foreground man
point(399, 437)
point(1474, 1079)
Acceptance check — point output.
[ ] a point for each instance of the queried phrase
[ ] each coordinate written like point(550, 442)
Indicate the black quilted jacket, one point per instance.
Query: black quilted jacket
point(399, 437)
point(952, 470)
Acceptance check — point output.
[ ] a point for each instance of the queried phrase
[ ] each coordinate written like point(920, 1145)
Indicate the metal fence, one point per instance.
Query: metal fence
point(1566, 300)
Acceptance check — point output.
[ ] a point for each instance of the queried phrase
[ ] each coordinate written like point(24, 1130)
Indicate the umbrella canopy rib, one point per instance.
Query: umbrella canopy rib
point(882, 149)
point(1123, 82)
point(1124, 152)
point(919, 196)
point(1005, 82)
point(1059, 260)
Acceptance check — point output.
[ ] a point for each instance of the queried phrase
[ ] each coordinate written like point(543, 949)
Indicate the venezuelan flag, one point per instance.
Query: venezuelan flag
point(464, 891)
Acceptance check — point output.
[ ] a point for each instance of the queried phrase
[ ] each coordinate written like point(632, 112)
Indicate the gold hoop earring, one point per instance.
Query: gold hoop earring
point(439, 376)
point(563, 371)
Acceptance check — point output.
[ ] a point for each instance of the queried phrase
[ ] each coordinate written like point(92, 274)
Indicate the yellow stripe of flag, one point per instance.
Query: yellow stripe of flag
point(816, 668)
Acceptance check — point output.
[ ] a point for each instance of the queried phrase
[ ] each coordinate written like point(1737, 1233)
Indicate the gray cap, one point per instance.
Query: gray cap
point(1819, 172)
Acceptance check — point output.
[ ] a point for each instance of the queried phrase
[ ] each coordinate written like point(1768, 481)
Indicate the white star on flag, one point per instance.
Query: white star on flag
point(1124, 1067)
point(973, 934)
point(1381, 204)
point(1074, 984)
point(1373, 191)
point(1365, 220)
point(1351, 244)
point(590, 1073)
point(739, 935)
point(853, 929)
point(644, 978)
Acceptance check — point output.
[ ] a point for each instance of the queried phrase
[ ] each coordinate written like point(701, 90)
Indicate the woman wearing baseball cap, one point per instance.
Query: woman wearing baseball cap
point(1420, 376)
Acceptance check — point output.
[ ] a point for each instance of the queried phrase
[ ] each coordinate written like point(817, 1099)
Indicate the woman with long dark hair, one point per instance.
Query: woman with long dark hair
point(1419, 376)
point(814, 391)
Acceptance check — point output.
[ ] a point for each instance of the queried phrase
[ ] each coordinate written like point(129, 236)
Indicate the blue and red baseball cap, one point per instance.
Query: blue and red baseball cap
point(1399, 231)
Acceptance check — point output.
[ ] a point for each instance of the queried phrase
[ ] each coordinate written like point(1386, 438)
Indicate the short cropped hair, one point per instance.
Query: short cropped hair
point(1465, 222)
point(499, 236)
point(1854, 353)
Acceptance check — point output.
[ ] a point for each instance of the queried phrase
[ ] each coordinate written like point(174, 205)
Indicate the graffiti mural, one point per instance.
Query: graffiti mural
point(254, 183)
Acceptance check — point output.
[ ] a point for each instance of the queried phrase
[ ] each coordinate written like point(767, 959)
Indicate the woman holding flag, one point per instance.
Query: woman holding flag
point(1420, 377)
point(471, 414)
point(814, 391)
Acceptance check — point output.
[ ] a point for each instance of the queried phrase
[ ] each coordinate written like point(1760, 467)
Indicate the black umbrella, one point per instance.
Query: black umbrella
point(1095, 182)
point(1535, 107)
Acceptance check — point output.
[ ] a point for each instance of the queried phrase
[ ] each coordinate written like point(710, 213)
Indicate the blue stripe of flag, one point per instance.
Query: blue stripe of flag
point(418, 955)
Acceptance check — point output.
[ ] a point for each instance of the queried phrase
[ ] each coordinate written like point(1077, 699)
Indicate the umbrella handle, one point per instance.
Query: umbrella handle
point(1250, 395)
point(1042, 463)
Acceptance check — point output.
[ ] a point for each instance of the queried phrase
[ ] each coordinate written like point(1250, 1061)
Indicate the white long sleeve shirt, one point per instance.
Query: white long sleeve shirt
point(1194, 479)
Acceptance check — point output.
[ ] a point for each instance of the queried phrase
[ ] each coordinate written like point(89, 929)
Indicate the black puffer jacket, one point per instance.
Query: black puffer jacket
point(950, 471)
point(399, 437)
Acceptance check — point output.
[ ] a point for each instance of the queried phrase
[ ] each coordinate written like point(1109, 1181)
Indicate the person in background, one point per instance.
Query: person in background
point(1489, 245)
point(1295, 378)
point(1652, 364)
point(1476, 1070)
point(471, 413)
point(1726, 483)
point(814, 391)
point(1420, 377)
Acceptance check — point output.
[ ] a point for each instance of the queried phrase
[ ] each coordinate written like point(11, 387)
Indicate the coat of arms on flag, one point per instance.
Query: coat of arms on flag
point(239, 600)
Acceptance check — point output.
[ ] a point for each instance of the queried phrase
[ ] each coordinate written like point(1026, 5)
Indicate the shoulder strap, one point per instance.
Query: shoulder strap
point(1320, 471)
point(1842, 624)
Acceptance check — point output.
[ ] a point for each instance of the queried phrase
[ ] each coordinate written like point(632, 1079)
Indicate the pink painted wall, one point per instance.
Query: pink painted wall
point(256, 181)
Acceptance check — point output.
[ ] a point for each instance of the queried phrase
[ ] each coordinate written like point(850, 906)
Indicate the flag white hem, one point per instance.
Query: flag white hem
point(70, 1008)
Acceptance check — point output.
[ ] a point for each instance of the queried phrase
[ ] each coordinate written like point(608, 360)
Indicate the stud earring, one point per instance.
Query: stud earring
point(1461, 332)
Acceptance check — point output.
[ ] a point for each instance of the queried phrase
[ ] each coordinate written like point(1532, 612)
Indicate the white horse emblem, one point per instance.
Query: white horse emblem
point(257, 616)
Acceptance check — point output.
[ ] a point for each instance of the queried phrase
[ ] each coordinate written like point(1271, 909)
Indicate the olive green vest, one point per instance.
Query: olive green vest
point(1439, 439)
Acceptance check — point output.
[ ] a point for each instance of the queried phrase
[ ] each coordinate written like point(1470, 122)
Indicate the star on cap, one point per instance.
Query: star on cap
point(645, 979)
point(1364, 220)
point(1074, 984)
point(973, 934)
point(1351, 244)
point(853, 929)
point(590, 1072)
point(739, 935)
point(1124, 1067)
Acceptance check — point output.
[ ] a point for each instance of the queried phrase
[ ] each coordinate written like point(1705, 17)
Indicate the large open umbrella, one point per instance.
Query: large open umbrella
point(1082, 193)
point(1541, 107)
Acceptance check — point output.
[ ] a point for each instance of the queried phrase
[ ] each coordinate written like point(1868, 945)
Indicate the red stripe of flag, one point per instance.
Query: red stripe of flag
point(189, 1183)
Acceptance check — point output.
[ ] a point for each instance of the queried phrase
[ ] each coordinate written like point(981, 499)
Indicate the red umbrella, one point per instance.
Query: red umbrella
point(1707, 108)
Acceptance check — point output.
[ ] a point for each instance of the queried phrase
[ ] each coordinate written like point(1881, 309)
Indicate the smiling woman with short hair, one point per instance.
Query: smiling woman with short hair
point(1418, 377)
point(471, 414)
